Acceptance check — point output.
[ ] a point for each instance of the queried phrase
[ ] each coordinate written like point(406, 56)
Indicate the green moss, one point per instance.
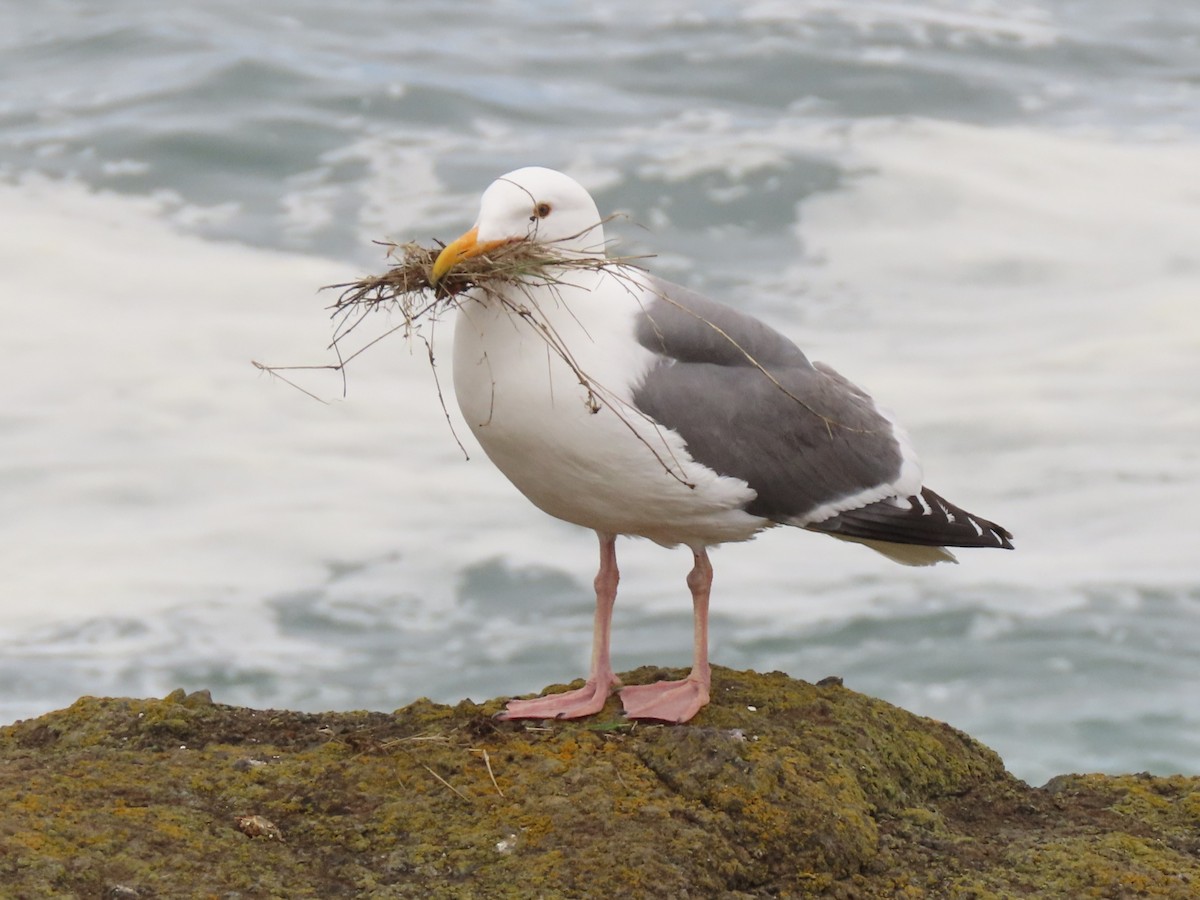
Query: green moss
point(778, 788)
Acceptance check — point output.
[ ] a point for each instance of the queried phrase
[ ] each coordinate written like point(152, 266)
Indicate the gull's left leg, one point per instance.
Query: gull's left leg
point(678, 701)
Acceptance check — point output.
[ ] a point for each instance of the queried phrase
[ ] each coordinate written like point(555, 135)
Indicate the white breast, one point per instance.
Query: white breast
point(581, 451)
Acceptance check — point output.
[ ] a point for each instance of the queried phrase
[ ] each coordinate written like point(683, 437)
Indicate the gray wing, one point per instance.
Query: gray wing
point(749, 404)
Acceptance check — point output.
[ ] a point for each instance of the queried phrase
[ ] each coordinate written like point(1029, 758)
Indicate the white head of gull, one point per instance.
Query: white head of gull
point(632, 406)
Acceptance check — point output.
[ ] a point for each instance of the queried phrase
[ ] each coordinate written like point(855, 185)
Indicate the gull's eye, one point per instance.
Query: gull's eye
point(540, 212)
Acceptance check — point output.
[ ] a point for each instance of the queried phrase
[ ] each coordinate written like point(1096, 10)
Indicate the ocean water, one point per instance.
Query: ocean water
point(986, 213)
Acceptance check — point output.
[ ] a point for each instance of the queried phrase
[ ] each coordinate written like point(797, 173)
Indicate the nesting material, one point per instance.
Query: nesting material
point(407, 288)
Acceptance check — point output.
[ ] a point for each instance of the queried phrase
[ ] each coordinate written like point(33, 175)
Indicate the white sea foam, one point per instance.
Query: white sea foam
point(1028, 24)
point(146, 463)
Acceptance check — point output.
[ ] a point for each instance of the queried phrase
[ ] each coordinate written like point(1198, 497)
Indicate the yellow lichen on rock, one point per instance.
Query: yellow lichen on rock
point(778, 788)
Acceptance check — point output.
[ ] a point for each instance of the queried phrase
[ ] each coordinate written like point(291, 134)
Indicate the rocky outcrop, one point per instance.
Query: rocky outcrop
point(778, 788)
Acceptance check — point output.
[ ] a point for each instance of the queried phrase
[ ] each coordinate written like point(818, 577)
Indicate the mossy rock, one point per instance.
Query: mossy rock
point(778, 788)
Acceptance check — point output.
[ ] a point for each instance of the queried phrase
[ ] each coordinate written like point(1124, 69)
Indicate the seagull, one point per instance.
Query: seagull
point(623, 403)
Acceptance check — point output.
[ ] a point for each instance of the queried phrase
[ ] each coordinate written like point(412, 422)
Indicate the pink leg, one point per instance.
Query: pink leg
point(678, 701)
point(590, 698)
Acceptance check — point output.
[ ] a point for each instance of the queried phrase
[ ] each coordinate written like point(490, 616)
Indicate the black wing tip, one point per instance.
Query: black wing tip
point(928, 520)
point(1001, 536)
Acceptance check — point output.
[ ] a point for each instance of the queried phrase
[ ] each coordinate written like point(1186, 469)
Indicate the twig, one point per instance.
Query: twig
point(487, 761)
point(274, 371)
point(441, 397)
point(446, 783)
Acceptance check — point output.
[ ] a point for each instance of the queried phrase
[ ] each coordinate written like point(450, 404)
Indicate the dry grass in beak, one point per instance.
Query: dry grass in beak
point(407, 288)
point(408, 284)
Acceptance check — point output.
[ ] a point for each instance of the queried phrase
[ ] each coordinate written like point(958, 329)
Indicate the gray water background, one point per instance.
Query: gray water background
point(725, 134)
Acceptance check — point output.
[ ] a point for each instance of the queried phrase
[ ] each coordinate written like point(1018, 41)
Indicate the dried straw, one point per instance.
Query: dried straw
point(407, 286)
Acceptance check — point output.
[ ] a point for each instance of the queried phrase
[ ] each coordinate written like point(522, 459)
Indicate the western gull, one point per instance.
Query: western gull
point(632, 406)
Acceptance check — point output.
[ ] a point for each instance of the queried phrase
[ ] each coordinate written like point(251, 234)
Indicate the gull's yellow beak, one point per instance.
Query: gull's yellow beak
point(465, 247)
